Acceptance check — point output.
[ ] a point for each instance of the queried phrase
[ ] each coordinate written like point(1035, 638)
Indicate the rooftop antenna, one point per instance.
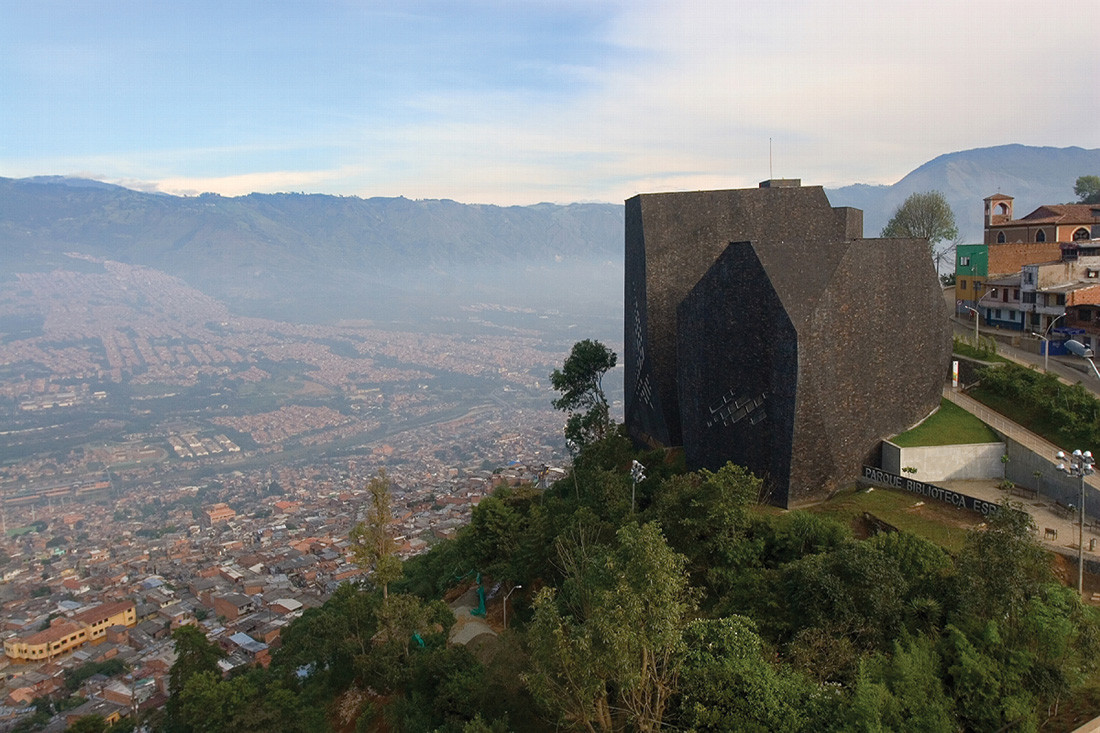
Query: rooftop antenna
point(771, 174)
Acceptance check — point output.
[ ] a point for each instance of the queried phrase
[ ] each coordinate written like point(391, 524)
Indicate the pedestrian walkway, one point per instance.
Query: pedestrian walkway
point(1069, 370)
point(1034, 443)
point(468, 627)
point(1058, 528)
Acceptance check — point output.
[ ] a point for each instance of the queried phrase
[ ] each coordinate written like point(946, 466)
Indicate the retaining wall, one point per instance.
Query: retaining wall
point(947, 462)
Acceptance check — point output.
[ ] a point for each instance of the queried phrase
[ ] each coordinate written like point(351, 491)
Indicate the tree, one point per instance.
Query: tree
point(923, 216)
point(705, 515)
point(88, 724)
point(728, 684)
point(580, 381)
point(1087, 189)
point(372, 546)
point(194, 655)
point(618, 645)
point(1001, 565)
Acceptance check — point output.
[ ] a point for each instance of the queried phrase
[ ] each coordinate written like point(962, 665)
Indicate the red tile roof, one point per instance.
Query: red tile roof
point(1059, 214)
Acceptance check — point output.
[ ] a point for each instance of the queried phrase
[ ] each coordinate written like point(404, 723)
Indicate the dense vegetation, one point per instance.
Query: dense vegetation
point(1066, 415)
point(694, 612)
point(670, 603)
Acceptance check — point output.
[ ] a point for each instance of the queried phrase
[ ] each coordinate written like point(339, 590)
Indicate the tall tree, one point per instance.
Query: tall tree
point(923, 216)
point(580, 381)
point(195, 655)
point(1087, 189)
point(618, 645)
point(372, 545)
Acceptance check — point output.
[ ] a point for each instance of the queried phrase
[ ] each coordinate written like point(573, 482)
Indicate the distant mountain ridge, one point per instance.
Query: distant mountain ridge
point(1032, 175)
point(335, 256)
point(306, 251)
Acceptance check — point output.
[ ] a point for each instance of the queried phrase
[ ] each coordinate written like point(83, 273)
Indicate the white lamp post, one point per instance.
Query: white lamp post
point(978, 314)
point(1078, 348)
point(1080, 465)
point(1045, 336)
point(514, 587)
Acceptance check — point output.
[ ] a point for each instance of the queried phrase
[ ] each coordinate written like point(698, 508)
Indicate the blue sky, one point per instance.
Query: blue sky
point(517, 102)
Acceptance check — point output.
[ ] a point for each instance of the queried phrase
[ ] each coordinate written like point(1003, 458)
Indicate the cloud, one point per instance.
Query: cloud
point(656, 96)
point(260, 182)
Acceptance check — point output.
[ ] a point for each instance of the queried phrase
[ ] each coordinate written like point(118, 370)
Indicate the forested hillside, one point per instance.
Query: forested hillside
point(696, 611)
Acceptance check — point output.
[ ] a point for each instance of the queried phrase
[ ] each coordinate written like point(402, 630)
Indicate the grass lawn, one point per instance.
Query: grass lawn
point(950, 425)
point(940, 523)
point(965, 349)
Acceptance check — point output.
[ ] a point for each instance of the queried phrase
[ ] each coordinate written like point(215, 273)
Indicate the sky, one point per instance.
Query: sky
point(524, 101)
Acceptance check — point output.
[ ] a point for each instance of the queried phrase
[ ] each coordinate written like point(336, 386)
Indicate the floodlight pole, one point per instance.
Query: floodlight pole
point(637, 473)
point(1080, 465)
point(574, 449)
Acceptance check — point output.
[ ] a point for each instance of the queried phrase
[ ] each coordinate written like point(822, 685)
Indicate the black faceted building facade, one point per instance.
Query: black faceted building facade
point(761, 328)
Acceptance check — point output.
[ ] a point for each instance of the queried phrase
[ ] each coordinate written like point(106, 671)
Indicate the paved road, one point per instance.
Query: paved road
point(1070, 369)
point(467, 626)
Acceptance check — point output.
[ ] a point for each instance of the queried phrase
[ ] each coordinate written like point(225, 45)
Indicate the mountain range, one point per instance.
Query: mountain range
point(326, 257)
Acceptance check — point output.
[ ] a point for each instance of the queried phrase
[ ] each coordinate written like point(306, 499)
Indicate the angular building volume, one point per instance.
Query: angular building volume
point(761, 328)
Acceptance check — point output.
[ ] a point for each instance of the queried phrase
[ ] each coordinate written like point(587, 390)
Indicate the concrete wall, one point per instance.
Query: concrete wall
point(946, 462)
point(1051, 483)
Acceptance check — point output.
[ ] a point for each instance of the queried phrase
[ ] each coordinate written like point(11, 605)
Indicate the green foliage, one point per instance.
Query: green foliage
point(1063, 414)
point(985, 350)
point(1087, 189)
point(705, 514)
point(742, 619)
point(1001, 566)
point(328, 640)
point(950, 425)
point(728, 685)
point(194, 656)
point(855, 592)
point(88, 724)
point(372, 547)
point(902, 692)
point(74, 678)
point(580, 382)
point(924, 216)
point(616, 643)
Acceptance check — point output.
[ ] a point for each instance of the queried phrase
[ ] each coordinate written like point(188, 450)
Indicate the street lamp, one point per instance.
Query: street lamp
point(1078, 348)
point(1045, 336)
point(977, 313)
point(514, 587)
point(637, 473)
point(1080, 465)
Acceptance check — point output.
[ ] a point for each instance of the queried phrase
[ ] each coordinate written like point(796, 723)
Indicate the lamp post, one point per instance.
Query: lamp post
point(514, 587)
point(978, 314)
point(1080, 465)
point(1045, 336)
point(637, 473)
point(1078, 348)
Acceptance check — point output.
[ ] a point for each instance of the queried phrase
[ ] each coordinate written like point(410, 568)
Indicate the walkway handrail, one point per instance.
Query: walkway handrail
point(1017, 432)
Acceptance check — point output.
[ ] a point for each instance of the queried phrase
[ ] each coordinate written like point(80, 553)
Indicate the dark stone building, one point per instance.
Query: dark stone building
point(761, 328)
